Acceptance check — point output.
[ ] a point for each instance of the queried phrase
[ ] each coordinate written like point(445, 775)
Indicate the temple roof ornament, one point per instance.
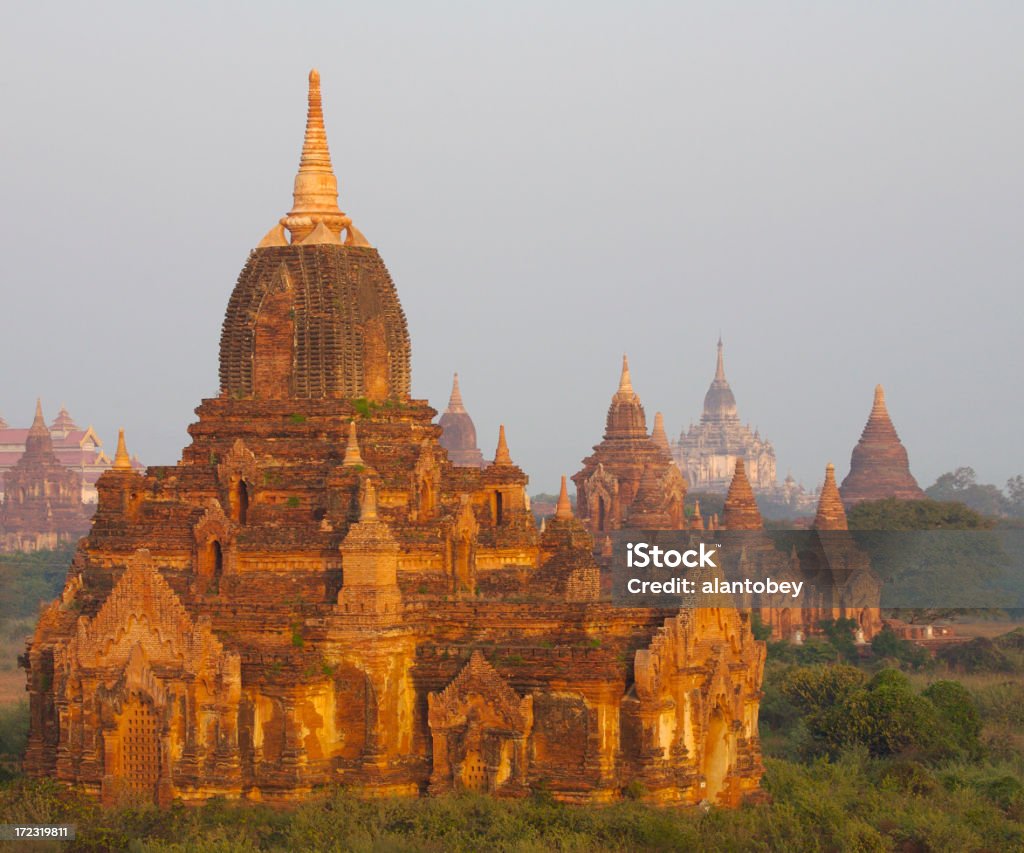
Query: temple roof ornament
point(626, 392)
point(63, 422)
point(122, 461)
point(831, 515)
point(315, 216)
point(352, 455)
point(501, 455)
point(563, 509)
point(455, 405)
point(658, 435)
point(626, 418)
point(719, 402)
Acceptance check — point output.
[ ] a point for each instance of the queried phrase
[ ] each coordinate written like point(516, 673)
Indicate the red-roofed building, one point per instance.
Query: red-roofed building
point(79, 449)
point(42, 505)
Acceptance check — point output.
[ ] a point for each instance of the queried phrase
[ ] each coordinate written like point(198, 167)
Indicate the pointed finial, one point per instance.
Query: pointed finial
point(563, 511)
point(658, 435)
point(316, 187)
point(368, 507)
point(122, 461)
point(720, 364)
point(831, 514)
point(352, 455)
point(501, 455)
point(39, 422)
point(455, 405)
point(696, 521)
point(879, 401)
point(625, 382)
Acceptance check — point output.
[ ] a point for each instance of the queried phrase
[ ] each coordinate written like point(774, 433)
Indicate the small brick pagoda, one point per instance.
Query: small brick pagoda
point(879, 467)
point(316, 595)
point(630, 480)
point(42, 498)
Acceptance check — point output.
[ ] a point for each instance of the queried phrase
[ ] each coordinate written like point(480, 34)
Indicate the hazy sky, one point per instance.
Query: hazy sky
point(838, 187)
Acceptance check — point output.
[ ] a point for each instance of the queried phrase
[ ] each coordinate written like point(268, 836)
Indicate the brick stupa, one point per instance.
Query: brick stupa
point(315, 595)
point(458, 435)
point(831, 514)
point(629, 464)
point(879, 467)
point(740, 511)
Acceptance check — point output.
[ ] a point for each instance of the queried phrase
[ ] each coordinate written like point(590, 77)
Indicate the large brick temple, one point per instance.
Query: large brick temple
point(316, 595)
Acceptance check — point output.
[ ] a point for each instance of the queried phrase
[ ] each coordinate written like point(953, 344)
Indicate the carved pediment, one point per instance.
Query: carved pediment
point(239, 463)
point(144, 620)
point(602, 483)
point(478, 680)
point(213, 524)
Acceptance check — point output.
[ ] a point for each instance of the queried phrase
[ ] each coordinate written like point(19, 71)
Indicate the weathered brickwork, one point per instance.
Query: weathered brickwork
point(315, 594)
point(879, 467)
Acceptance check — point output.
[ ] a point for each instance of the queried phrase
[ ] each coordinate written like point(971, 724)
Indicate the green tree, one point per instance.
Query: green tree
point(962, 486)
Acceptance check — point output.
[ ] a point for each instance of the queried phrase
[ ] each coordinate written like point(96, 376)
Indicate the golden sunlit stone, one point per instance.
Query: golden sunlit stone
point(315, 595)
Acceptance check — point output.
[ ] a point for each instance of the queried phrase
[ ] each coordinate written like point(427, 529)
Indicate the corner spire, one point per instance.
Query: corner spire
point(563, 510)
point(316, 187)
point(455, 405)
point(696, 520)
point(501, 455)
point(368, 505)
point(122, 461)
point(658, 435)
point(831, 515)
point(352, 455)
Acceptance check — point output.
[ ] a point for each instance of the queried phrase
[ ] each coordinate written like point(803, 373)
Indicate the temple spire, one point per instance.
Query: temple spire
point(352, 455)
point(501, 455)
point(831, 515)
point(720, 364)
point(696, 520)
point(563, 510)
point(455, 404)
point(122, 461)
point(39, 422)
point(316, 187)
point(625, 382)
point(658, 435)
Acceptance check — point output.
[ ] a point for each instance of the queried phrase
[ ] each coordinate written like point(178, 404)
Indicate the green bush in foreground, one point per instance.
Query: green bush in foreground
point(854, 803)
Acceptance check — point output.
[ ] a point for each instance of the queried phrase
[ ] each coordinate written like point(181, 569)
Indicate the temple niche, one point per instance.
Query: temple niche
point(42, 500)
point(317, 594)
point(707, 452)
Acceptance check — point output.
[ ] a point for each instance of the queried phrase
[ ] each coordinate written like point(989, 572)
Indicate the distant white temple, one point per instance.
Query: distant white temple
point(707, 452)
